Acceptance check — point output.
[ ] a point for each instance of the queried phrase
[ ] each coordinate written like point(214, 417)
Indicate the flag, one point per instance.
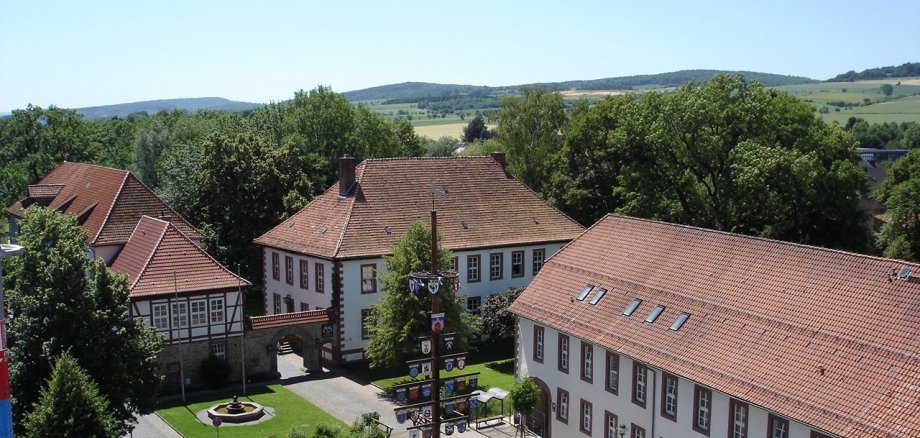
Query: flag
point(448, 364)
point(426, 346)
point(437, 322)
point(413, 370)
point(426, 369)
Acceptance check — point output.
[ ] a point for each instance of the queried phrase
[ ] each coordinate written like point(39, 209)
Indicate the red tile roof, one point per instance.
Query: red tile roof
point(289, 319)
point(108, 202)
point(484, 208)
point(157, 251)
point(822, 336)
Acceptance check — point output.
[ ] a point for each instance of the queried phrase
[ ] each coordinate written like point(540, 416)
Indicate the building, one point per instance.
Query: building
point(680, 332)
point(330, 254)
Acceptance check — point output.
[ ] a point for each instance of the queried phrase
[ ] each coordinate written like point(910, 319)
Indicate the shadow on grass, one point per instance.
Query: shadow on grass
point(505, 366)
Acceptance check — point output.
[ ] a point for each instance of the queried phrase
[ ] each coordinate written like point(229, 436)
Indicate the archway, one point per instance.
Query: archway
point(540, 420)
point(301, 342)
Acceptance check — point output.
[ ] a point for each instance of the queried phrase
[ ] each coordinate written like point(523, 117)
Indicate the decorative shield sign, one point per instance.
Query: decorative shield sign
point(448, 364)
point(449, 408)
point(426, 346)
point(413, 393)
point(473, 403)
point(426, 369)
point(415, 285)
point(461, 426)
point(449, 429)
point(401, 416)
point(448, 386)
point(426, 412)
point(461, 406)
point(449, 342)
point(426, 391)
point(327, 330)
point(461, 362)
point(437, 322)
point(401, 395)
point(461, 385)
point(413, 370)
point(426, 433)
point(474, 382)
point(414, 433)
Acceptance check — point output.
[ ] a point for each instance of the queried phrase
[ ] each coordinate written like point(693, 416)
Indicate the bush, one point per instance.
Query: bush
point(214, 372)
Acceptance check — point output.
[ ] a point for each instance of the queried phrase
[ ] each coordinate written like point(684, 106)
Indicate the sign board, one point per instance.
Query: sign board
point(216, 421)
point(327, 330)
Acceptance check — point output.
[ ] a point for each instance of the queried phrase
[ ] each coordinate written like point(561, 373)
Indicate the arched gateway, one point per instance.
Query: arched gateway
point(307, 331)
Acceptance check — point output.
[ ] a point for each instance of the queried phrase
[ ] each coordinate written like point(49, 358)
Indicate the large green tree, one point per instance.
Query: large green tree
point(61, 302)
point(150, 143)
point(401, 317)
point(728, 155)
point(71, 406)
point(530, 128)
point(900, 193)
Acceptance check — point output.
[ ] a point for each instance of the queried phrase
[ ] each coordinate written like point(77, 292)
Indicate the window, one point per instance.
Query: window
point(538, 344)
point(653, 315)
point(587, 362)
point(277, 303)
point(289, 269)
point(472, 268)
point(669, 397)
point(562, 411)
point(597, 296)
point(179, 315)
point(473, 304)
point(702, 406)
point(304, 307)
point(199, 312)
point(219, 349)
point(517, 264)
point(612, 378)
point(636, 432)
point(815, 434)
point(161, 316)
point(632, 307)
point(584, 292)
point(217, 310)
point(320, 277)
point(679, 322)
point(563, 353)
point(538, 256)
point(611, 425)
point(779, 427)
point(368, 279)
point(365, 328)
point(640, 383)
point(586, 416)
point(496, 265)
point(276, 266)
point(739, 419)
point(453, 263)
point(304, 274)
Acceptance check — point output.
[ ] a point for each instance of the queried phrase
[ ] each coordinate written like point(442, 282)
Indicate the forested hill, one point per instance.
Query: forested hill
point(151, 107)
point(908, 69)
point(417, 90)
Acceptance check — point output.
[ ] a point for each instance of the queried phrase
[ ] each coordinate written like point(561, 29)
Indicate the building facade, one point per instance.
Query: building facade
point(331, 253)
point(660, 330)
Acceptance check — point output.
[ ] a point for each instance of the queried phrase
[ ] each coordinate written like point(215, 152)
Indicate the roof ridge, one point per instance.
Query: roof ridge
point(99, 166)
point(153, 251)
point(105, 220)
point(452, 157)
point(758, 238)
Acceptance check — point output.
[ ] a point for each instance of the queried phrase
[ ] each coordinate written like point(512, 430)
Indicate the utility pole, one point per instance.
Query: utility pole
point(435, 334)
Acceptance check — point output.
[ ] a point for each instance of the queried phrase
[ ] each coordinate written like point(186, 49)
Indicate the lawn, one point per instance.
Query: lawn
point(290, 411)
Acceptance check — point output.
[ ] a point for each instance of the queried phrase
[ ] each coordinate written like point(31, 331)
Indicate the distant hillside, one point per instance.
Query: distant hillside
point(154, 106)
point(422, 90)
point(908, 69)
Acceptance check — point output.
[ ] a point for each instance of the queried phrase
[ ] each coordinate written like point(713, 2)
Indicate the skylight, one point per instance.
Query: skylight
point(584, 292)
point(632, 307)
point(653, 315)
point(597, 297)
point(679, 322)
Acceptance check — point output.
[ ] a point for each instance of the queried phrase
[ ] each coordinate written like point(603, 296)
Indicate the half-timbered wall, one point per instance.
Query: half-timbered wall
point(192, 317)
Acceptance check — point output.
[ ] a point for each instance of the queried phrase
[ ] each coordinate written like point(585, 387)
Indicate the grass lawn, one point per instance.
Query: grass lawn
point(290, 411)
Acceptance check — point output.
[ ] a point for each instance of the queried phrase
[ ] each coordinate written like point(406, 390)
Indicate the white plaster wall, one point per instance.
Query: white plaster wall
point(107, 253)
point(233, 309)
point(310, 296)
point(621, 405)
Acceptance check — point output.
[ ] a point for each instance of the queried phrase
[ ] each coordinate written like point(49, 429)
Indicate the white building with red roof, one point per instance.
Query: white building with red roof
point(499, 231)
point(676, 331)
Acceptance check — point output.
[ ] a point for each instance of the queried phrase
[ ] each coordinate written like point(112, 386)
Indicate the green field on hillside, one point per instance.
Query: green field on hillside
point(863, 99)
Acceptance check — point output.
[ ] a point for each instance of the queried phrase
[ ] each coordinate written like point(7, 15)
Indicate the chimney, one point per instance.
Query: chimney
point(499, 158)
point(346, 174)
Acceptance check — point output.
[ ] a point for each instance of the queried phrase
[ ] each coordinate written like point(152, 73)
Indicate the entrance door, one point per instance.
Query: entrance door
point(290, 304)
point(537, 420)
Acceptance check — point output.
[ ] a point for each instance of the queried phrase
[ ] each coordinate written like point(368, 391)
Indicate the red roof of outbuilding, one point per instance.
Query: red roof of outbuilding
point(157, 251)
point(484, 207)
point(108, 202)
point(822, 336)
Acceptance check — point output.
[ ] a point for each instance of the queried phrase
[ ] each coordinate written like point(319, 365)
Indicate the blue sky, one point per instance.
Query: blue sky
point(85, 53)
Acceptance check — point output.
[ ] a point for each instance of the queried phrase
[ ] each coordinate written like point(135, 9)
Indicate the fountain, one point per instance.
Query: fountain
point(236, 411)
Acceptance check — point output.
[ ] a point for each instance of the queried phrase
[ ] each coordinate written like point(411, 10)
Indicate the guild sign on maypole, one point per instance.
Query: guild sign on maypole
point(420, 400)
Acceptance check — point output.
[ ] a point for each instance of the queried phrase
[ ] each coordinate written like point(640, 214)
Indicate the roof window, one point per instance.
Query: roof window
point(632, 307)
point(904, 274)
point(679, 322)
point(653, 315)
point(584, 292)
point(597, 297)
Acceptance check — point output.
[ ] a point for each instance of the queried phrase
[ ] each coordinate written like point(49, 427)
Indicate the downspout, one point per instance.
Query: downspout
point(654, 400)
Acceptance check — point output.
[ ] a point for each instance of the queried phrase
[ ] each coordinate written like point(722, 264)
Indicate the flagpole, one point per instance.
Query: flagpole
point(435, 334)
point(242, 309)
point(179, 330)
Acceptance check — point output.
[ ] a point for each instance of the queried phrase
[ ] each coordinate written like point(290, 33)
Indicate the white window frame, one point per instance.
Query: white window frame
point(670, 396)
point(217, 313)
point(159, 314)
point(564, 352)
point(474, 305)
point(587, 366)
point(179, 314)
point(219, 349)
point(641, 384)
point(199, 312)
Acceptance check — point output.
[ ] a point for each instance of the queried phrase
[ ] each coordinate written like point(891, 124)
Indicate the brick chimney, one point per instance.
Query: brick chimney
point(499, 158)
point(346, 174)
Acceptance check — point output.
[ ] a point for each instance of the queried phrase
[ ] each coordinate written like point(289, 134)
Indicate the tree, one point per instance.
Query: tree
point(524, 397)
point(887, 89)
point(71, 406)
point(401, 317)
point(900, 193)
point(61, 302)
point(442, 147)
point(530, 127)
point(475, 130)
point(496, 319)
point(150, 143)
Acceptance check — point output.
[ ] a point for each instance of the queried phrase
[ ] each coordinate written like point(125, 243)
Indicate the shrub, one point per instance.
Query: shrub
point(214, 371)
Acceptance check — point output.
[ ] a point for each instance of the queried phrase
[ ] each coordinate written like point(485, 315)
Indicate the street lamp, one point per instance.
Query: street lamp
point(622, 430)
point(6, 413)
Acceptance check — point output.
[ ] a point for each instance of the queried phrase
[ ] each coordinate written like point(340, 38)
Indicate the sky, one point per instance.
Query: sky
point(80, 53)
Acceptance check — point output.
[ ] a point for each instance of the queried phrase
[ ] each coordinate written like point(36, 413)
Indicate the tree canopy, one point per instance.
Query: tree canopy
point(900, 193)
point(402, 317)
point(62, 303)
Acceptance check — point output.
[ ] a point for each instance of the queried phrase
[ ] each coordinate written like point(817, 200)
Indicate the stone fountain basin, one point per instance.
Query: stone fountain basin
point(251, 411)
